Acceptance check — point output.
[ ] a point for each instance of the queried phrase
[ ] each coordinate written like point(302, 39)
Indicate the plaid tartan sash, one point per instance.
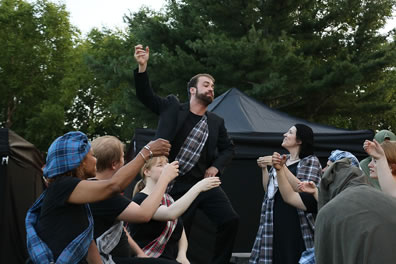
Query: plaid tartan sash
point(39, 251)
point(191, 149)
point(308, 169)
point(155, 248)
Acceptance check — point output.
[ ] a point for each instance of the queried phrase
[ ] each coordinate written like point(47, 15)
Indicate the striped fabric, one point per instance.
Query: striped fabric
point(155, 248)
point(66, 153)
point(340, 154)
point(308, 169)
point(39, 251)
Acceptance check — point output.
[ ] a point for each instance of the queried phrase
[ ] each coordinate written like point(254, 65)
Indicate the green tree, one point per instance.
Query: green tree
point(321, 60)
point(36, 40)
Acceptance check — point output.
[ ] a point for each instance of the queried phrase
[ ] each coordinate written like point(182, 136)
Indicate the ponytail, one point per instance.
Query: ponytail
point(139, 186)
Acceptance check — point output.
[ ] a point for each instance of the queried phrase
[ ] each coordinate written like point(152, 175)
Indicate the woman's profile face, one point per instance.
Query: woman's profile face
point(290, 138)
point(373, 169)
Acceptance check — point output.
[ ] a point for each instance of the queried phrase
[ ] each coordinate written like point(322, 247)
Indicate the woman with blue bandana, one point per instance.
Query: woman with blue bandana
point(59, 225)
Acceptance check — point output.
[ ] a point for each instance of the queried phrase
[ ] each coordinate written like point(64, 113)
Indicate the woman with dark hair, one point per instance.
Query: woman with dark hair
point(285, 231)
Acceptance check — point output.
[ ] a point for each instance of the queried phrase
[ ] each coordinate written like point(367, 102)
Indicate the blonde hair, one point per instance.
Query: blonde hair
point(390, 153)
point(147, 166)
point(107, 149)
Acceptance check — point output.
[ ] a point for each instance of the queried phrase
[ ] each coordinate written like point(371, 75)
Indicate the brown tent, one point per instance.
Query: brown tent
point(20, 184)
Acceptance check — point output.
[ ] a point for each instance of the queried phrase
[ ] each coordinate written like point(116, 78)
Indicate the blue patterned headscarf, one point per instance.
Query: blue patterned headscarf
point(340, 154)
point(66, 153)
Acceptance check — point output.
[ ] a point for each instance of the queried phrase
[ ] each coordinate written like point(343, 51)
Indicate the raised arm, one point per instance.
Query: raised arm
point(144, 212)
point(263, 162)
point(93, 191)
point(288, 194)
point(181, 205)
point(309, 169)
point(385, 177)
point(142, 56)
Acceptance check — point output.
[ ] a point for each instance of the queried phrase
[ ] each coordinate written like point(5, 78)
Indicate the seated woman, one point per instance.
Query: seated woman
point(59, 225)
point(164, 236)
point(114, 244)
point(383, 164)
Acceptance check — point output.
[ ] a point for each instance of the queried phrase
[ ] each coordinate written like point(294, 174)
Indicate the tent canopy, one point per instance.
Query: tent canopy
point(258, 129)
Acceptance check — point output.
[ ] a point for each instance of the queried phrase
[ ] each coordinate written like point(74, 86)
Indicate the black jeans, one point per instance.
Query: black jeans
point(217, 207)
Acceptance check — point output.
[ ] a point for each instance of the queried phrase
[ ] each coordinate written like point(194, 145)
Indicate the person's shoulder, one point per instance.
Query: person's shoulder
point(310, 158)
point(139, 197)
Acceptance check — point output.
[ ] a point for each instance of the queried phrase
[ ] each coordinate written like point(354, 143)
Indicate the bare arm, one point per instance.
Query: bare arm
point(93, 256)
point(143, 213)
point(135, 247)
point(183, 246)
point(293, 180)
point(263, 162)
point(93, 191)
point(176, 209)
point(288, 194)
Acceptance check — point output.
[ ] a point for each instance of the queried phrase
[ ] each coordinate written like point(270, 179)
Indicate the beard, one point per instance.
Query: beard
point(205, 99)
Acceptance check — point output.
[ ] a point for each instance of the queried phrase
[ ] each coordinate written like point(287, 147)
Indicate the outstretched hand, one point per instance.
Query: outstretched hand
point(159, 147)
point(265, 161)
point(307, 186)
point(278, 161)
point(208, 183)
point(374, 149)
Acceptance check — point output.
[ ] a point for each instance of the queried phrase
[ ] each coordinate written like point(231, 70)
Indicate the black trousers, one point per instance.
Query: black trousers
point(217, 207)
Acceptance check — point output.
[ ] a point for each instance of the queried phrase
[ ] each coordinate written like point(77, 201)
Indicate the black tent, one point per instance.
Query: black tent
point(257, 130)
point(20, 185)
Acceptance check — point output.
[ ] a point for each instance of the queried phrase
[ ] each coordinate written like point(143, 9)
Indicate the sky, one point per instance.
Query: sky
point(87, 14)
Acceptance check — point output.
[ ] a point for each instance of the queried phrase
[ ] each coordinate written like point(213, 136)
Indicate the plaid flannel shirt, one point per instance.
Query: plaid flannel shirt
point(39, 251)
point(155, 248)
point(308, 169)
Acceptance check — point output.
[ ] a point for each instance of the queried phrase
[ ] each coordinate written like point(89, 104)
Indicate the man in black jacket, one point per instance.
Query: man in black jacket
point(200, 143)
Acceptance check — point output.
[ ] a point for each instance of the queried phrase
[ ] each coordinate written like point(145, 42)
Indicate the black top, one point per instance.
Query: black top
point(198, 171)
point(310, 203)
point(288, 243)
point(105, 215)
point(143, 234)
point(60, 222)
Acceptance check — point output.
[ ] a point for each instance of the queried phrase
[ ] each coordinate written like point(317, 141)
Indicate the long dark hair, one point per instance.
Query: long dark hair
point(306, 136)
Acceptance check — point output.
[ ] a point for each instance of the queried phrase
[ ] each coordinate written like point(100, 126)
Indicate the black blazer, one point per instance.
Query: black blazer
point(172, 114)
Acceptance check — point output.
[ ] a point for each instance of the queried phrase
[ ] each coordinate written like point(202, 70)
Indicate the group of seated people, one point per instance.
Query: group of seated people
point(82, 217)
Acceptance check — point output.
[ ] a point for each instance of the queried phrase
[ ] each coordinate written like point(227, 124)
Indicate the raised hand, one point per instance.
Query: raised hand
point(278, 161)
point(171, 170)
point(142, 56)
point(374, 149)
point(208, 183)
point(307, 186)
point(159, 147)
point(263, 162)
